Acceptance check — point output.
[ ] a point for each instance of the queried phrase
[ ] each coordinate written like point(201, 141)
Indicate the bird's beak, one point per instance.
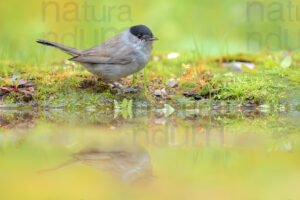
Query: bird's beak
point(153, 39)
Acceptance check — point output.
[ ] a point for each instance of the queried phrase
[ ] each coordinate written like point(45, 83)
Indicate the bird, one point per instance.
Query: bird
point(129, 164)
point(117, 57)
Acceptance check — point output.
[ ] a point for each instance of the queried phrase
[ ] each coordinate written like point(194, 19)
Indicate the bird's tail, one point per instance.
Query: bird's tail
point(66, 49)
point(62, 166)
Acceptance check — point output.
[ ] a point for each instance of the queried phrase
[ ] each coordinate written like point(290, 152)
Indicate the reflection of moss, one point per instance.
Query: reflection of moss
point(298, 107)
point(294, 77)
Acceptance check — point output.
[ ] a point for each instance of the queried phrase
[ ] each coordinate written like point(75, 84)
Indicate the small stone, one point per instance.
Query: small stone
point(27, 97)
point(213, 103)
point(248, 104)
point(238, 66)
point(197, 97)
point(53, 96)
point(131, 90)
point(158, 93)
point(173, 55)
point(171, 83)
point(188, 95)
point(223, 103)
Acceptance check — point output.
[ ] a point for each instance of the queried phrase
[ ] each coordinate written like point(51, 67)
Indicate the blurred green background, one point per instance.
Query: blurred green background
point(204, 26)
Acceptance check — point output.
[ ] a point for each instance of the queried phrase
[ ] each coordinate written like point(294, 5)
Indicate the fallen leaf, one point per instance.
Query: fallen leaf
point(21, 82)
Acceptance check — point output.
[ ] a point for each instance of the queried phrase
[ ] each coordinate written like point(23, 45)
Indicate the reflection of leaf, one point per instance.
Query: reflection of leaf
point(116, 110)
point(281, 146)
point(124, 110)
point(130, 105)
point(124, 114)
point(124, 104)
point(116, 114)
point(129, 109)
point(168, 110)
point(116, 105)
point(287, 146)
point(287, 62)
point(248, 70)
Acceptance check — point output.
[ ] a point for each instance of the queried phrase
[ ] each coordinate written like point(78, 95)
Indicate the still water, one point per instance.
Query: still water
point(221, 152)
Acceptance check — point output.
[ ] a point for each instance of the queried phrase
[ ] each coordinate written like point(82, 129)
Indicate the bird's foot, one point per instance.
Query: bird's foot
point(131, 90)
point(115, 85)
point(122, 91)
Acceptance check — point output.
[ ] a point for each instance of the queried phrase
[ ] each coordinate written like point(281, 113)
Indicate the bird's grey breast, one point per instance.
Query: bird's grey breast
point(141, 49)
point(143, 54)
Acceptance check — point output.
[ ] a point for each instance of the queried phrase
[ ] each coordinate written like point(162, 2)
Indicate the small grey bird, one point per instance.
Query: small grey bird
point(118, 57)
point(130, 164)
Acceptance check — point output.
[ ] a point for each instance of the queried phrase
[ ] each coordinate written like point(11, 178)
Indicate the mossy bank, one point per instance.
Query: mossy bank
point(173, 78)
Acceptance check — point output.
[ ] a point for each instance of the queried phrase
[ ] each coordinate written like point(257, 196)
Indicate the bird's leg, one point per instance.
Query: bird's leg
point(131, 90)
point(96, 79)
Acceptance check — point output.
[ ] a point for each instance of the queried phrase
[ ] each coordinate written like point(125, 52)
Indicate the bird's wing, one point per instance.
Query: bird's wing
point(112, 51)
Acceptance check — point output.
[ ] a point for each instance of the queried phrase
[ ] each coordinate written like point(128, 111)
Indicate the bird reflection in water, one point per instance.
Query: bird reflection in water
point(132, 165)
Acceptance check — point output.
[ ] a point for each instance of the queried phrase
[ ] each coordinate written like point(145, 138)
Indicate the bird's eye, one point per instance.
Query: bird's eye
point(144, 37)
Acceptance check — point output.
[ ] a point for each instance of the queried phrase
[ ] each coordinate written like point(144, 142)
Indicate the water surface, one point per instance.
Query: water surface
point(215, 152)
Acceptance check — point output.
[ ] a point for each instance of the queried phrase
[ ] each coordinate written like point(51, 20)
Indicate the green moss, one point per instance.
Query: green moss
point(257, 88)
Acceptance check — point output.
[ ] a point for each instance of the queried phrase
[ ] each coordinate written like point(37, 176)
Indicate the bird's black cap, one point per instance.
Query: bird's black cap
point(140, 31)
